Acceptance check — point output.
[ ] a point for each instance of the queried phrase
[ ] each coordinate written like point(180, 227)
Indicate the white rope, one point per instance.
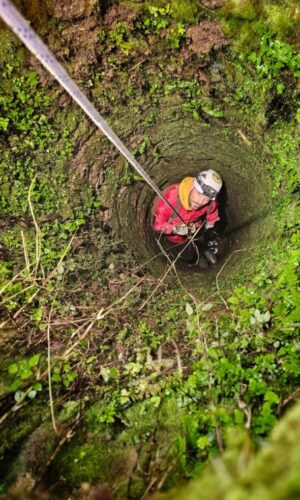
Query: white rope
point(33, 42)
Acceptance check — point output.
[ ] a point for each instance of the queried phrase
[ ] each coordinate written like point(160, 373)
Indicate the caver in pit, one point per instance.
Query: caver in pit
point(195, 200)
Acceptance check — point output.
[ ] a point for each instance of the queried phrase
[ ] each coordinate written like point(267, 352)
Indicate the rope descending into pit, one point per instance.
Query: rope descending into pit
point(33, 42)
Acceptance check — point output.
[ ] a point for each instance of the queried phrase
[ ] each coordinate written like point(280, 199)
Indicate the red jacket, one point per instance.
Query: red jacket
point(164, 221)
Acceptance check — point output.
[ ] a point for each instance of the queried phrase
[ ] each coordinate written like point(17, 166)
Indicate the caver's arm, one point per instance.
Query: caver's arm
point(162, 212)
point(212, 214)
point(161, 216)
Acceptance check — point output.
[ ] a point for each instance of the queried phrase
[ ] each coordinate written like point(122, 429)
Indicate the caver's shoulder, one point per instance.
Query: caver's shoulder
point(171, 191)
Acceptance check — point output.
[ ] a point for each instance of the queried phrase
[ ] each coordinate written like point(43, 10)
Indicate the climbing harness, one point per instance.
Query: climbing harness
point(33, 42)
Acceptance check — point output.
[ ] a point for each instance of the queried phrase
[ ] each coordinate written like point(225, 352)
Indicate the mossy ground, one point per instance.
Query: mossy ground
point(273, 473)
point(146, 389)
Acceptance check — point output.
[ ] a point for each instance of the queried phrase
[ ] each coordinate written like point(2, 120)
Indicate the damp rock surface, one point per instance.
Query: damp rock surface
point(185, 148)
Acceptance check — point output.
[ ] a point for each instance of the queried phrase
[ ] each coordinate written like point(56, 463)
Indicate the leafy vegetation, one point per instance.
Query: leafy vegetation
point(274, 56)
point(168, 382)
point(34, 153)
point(22, 371)
point(193, 98)
point(272, 472)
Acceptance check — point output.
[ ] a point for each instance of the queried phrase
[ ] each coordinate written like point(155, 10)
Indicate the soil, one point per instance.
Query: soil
point(213, 4)
point(118, 13)
point(205, 37)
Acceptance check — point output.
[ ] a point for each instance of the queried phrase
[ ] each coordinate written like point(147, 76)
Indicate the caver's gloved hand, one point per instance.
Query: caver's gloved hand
point(209, 225)
point(192, 228)
point(181, 230)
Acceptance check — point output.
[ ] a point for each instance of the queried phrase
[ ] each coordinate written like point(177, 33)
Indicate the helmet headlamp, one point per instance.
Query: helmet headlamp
point(209, 183)
point(208, 191)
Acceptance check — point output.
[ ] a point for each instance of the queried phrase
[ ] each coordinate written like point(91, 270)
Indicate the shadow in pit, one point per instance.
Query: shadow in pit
point(260, 216)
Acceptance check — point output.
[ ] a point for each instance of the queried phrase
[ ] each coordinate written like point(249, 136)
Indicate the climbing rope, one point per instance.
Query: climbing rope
point(33, 42)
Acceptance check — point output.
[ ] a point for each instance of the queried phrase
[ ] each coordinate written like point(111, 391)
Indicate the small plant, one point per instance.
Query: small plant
point(284, 166)
point(158, 19)
point(274, 56)
point(24, 372)
point(129, 175)
point(120, 38)
point(64, 374)
point(20, 108)
point(194, 102)
point(176, 36)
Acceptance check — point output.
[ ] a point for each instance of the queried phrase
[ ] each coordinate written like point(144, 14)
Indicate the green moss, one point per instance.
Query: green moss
point(109, 453)
point(245, 20)
point(83, 462)
point(33, 455)
point(186, 11)
point(95, 461)
point(20, 455)
point(283, 19)
point(20, 425)
point(243, 9)
point(243, 34)
point(11, 51)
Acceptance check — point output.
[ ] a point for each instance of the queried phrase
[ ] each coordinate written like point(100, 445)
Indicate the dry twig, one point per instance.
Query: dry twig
point(176, 273)
point(244, 138)
point(101, 314)
point(49, 371)
point(37, 228)
point(179, 364)
point(292, 396)
point(25, 252)
point(13, 279)
point(172, 266)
